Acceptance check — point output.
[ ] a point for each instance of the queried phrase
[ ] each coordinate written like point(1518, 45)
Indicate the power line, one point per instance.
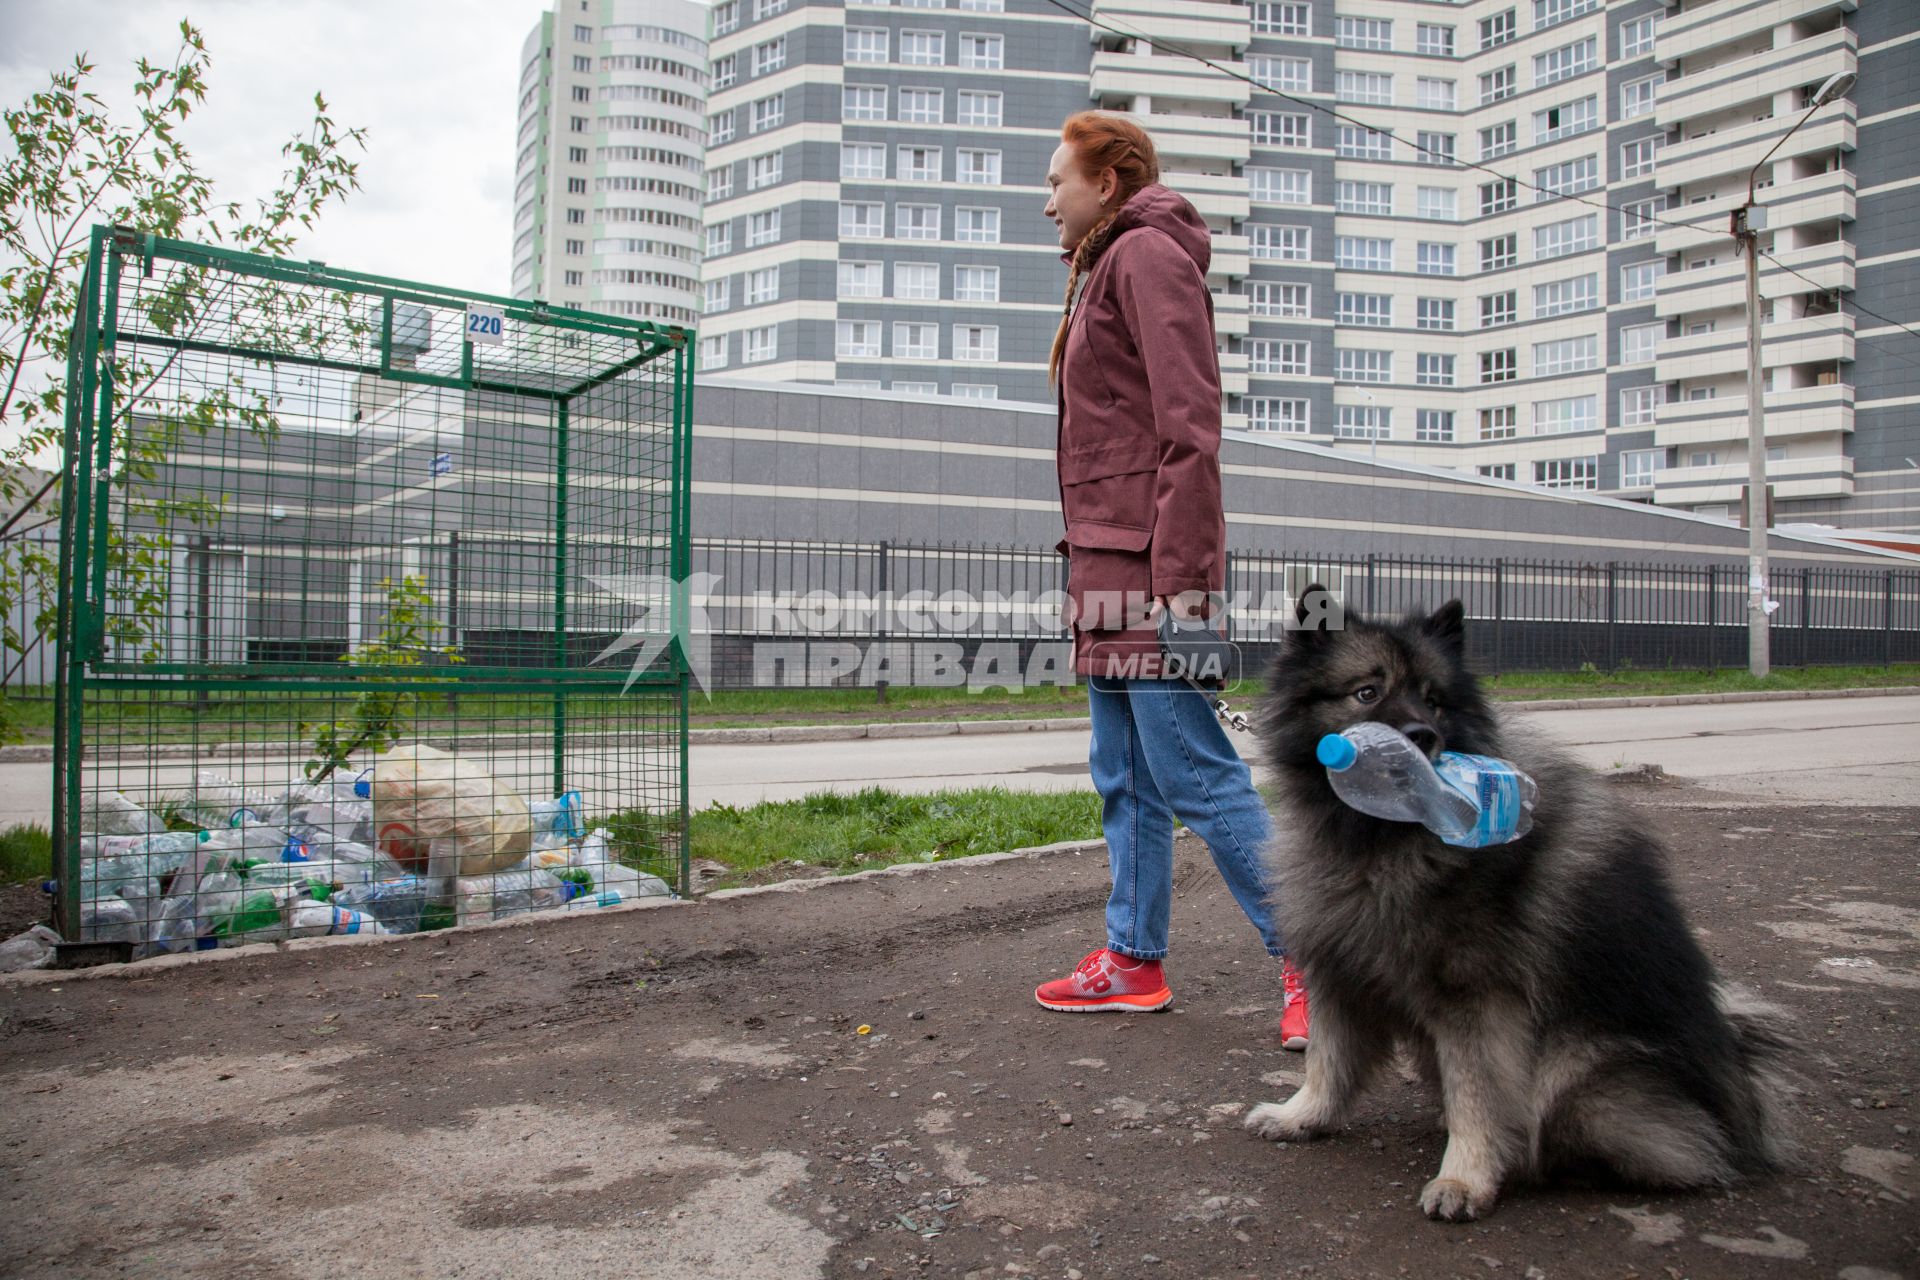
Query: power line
point(1866, 311)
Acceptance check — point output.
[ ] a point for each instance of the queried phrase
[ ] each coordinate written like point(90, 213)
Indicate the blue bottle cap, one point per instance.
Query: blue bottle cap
point(1337, 753)
point(363, 785)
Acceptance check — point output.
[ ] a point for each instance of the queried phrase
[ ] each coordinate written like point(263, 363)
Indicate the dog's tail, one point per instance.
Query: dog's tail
point(1762, 1132)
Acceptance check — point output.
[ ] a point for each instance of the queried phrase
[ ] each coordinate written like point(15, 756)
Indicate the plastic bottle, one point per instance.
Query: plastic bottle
point(395, 902)
point(315, 920)
point(561, 816)
point(592, 901)
point(217, 796)
point(1469, 801)
point(506, 893)
point(110, 813)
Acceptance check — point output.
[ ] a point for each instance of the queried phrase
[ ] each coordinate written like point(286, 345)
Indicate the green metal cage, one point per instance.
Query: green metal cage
point(358, 579)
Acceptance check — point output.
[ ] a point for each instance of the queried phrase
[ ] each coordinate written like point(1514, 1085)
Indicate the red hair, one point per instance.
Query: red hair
point(1100, 142)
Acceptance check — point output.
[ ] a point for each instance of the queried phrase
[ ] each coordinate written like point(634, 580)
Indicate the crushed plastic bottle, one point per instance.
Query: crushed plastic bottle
point(216, 796)
point(593, 901)
point(506, 893)
point(32, 949)
point(1467, 800)
point(561, 817)
point(110, 813)
point(396, 903)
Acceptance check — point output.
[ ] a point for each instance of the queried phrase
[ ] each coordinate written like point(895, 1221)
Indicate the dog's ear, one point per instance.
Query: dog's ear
point(1316, 616)
point(1448, 625)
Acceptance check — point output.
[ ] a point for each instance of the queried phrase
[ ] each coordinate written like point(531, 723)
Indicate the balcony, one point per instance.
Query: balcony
point(1757, 79)
point(1823, 198)
point(1827, 266)
point(1802, 411)
point(1812, 340)
point(1708, 26)
point(1820, 476)
point(1230, 317)
point(1738, 149)
point(1233, 373)
point(1130, 75)
point(1215, 195)
point(1230, 256)
point(1187, 22)
point(1185, 137)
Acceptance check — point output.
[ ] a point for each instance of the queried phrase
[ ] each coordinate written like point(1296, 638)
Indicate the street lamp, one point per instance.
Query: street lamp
point(1748, 223)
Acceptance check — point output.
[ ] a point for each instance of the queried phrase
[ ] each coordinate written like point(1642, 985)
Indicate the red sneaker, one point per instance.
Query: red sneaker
point(1108, 981)
point(1293, 1012)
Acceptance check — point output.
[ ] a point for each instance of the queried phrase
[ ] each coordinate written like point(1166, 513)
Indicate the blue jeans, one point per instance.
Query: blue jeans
point(1158, 752)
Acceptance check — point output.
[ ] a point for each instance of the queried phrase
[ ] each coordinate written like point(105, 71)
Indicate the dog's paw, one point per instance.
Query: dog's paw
point(1451, 1200)
point(1277, 1122)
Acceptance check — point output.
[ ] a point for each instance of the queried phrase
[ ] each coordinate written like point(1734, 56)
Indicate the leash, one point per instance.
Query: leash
point(1222, 712)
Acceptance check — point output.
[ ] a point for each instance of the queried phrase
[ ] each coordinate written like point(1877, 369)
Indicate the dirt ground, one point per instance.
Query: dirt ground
point(853, 1080)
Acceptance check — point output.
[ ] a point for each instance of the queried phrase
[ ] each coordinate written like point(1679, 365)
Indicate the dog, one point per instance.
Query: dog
point(1549, 987)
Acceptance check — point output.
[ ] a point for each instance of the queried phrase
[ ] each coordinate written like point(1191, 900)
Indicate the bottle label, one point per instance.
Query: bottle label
point(1494, 787)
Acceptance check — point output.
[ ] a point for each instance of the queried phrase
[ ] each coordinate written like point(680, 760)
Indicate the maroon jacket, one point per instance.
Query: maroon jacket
point(1138, 453)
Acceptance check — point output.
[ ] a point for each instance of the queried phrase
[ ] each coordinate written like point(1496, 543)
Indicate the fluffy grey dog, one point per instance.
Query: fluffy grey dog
point(1550, 987)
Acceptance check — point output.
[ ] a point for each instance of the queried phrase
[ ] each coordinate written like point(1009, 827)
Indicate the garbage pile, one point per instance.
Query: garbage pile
point(421, 840)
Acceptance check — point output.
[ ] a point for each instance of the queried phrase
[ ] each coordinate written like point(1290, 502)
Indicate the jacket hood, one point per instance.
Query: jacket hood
point(1157, 206)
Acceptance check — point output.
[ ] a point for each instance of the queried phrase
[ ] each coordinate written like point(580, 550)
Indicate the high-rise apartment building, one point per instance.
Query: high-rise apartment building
point(1489, 235)
point(608, 183)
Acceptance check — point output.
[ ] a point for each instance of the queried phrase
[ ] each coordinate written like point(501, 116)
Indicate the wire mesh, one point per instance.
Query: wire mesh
point(350, 604)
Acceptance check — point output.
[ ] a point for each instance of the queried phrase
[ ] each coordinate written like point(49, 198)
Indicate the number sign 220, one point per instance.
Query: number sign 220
point(486, 326)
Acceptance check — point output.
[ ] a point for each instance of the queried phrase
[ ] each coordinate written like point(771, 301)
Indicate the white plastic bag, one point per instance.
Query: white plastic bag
point(427, 803)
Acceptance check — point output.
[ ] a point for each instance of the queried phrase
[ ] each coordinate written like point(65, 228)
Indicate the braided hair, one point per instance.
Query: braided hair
point(1101, 141)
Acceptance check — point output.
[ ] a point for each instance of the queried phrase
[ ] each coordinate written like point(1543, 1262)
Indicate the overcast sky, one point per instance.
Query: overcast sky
point(433, 82)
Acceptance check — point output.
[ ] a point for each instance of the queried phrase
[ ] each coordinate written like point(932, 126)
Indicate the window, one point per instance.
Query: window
point(1433, 40)
point(763, 228)
point(770, 56)
point(976, 226)
point(984, 6)
point(917, 164)
point(1499, 366)
point(1268, 413)
point(1433, 426)
point(1357, 142)
point(1566, 120)
point(1564, 297)
point(576, 248)
point(921, 106)
point(767, 8)
point(1363, 197)
point(1282, 19)
point(1500, 252)
point(983, 53)
point(1500, 424)
point(1434, 313)
point(763, 286)
point(583, 34)
point(719, 239)
point(916, 221)
point(576, 186)
point(726, 17)
point(1363, 422)
point(862, 220)
point(1435, 148)
point(1641, 280)
point(916, 340)
point(1363, 33)
point(1375, 87)
point(1638, 217)
point(1567, 473)
point(1640, 343)
point(1351, 365)
point(769, 113)
point(977, 167)
point(1639, 406)
point(1497, 85)
point(1639, 466)
point(919, 281)
point(720, 182)
point(1438, 204)
point(1433, 94)
point(1362, 253)
point(1290, 301)
point(860, 160)
point(1277, 129)
point(976, 284)
point(1373, 310)
point(863, 102)
point(917, 388)
point(763, 171)
point(761, 344)
point(1268, 356)
point(923, 48)
point(1498, 308)
point(1498, 197)
point(1564, 63)
point(1548, 13)
point(856, 340)
point(1637, 159)
point(719, 128)
point(1636, 36)
point(1566, 355)
point(713, 352)
point(1433, 369)
point(1557, 239)
point(976, 390)
point(975, 107)
point(1558, 417)
point(866, 44)
point(1497, 140)
point(1703, 457)
point(719, 294)
point(1700, 393)
point(1497, 470)
point(859, 279)
point(1637, 96)
point(1280, 186)
point(1287, 75)
point(1433, 259)
point(1498, 29)
point(976, 342)
point(1286, 244)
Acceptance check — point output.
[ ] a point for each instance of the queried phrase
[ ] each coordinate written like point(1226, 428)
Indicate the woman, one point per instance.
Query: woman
point(1139, 401)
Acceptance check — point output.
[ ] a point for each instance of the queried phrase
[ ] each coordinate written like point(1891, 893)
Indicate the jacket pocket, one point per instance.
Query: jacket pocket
point(1107, 495)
